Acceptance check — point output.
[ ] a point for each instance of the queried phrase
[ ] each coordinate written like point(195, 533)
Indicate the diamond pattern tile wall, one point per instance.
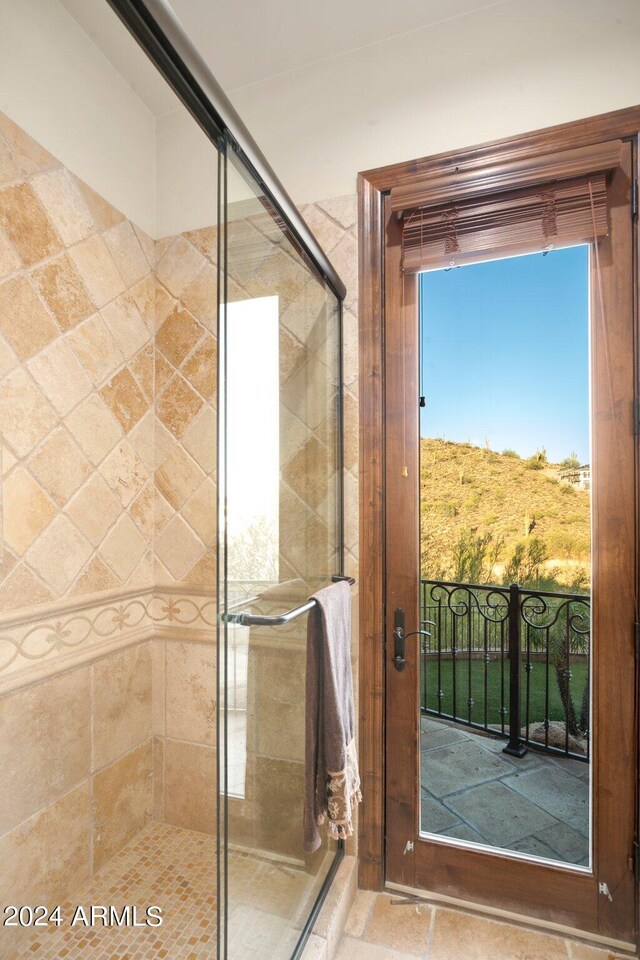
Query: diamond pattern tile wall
point(76, 379)
point(108, 384)
point(185, 393)
point(342, 247)
point(26, 224)
point(25, 323)
point(63, 291)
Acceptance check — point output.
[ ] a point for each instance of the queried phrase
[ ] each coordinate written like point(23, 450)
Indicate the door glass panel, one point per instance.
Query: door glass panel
point(505, 505)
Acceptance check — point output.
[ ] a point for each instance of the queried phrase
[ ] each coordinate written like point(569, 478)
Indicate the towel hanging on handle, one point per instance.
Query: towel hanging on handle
point(332, 782)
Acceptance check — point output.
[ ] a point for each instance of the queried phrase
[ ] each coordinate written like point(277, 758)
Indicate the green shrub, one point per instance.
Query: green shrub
point(570, 463)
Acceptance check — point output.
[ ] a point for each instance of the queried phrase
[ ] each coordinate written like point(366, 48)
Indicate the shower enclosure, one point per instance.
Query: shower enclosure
point(280, 509)
point(171, 486)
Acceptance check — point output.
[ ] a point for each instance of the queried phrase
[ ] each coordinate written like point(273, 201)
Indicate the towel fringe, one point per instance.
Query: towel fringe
point(343, 830)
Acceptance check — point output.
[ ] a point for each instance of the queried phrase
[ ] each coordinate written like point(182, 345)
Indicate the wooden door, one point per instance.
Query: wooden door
point(601, 898)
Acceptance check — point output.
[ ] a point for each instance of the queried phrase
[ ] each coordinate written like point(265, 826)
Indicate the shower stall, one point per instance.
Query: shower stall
point(171, 490)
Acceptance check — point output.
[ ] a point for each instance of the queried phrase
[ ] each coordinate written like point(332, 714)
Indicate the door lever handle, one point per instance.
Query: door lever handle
point(399, 637)
point(399, 661)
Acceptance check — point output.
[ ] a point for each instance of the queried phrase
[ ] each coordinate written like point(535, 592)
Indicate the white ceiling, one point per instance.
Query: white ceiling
point(246, 41)
point(249, 40)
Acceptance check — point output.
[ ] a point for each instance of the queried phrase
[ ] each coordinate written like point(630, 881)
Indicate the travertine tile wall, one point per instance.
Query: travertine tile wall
point(184, 727)
point(80, 307)
point(76, 384)
point(87, 340)
point(107, 407)
point(76, 756)
point(184, 720)
point(334, 222)
point(185, 428)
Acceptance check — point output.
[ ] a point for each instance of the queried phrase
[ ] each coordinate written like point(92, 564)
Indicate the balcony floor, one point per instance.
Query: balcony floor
point(473, 791)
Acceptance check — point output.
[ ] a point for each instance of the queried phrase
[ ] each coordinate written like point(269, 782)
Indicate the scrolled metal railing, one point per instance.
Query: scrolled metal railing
point(511, 661)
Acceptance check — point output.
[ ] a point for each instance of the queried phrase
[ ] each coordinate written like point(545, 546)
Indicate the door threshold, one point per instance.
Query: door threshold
point(525, 921)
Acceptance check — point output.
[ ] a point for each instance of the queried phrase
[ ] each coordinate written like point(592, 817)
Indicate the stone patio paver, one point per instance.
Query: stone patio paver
point(436, 815)
point(472, 791)
point(493, 811)
point(459, 766)
point(535, 848)
point(567, 843)
point(563, 796)
point(462, 831)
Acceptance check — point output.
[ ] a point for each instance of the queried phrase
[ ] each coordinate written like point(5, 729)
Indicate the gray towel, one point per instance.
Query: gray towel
point(332, 784)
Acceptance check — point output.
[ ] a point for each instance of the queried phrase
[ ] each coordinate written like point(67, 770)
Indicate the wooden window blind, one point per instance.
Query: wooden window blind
point(481, 221)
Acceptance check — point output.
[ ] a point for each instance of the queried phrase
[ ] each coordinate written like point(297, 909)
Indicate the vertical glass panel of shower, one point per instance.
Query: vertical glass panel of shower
point(280, 539)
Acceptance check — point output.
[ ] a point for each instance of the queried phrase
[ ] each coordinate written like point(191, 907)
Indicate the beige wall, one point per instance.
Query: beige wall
point(130, 138)
point(186, 175)
point(505, 68)
point(51, 71)
point(502, 68)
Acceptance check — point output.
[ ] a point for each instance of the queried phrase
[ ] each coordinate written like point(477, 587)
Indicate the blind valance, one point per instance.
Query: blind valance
point(533, 216)
point(539, 218)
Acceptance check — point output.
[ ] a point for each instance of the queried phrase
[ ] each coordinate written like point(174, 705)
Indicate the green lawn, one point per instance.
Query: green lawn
point(537, 690)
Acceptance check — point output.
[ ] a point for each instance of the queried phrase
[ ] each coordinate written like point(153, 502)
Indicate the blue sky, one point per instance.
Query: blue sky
point(505, 353)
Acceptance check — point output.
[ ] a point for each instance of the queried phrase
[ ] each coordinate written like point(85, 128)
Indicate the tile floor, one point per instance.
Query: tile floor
point(269, 902)
point(176, 870)
point(387, 927)
point(165, 866)
point(473, 791)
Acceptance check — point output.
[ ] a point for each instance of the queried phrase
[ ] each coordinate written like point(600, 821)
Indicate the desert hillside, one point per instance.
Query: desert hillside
point(493, 517)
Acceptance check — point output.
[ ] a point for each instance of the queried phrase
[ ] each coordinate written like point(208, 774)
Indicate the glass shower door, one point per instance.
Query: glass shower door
point(280, 540)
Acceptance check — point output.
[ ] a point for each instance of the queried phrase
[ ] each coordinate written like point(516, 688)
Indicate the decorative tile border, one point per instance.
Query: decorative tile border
point(43, 639)
point(58, 636)
point(53, 637)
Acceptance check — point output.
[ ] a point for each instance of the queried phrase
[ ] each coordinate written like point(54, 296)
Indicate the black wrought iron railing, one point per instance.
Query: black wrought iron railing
point(511, 661)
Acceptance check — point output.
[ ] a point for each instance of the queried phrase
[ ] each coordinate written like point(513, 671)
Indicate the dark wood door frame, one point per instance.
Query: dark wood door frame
point(486, 163)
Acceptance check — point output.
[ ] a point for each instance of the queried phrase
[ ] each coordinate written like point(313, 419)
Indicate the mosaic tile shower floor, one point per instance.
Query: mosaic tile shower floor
point(175, 869)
